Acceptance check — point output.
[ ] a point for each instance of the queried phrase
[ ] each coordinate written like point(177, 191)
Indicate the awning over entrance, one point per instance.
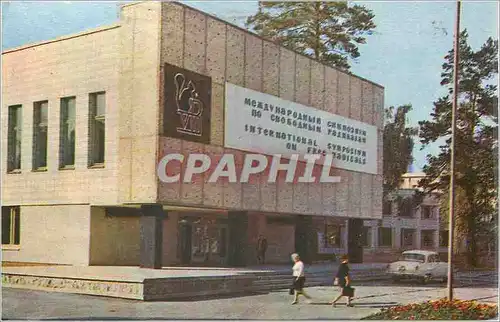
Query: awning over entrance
point(171, 207)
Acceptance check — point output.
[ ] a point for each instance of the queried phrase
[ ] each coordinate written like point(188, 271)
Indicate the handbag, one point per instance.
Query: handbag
point(291, 291)
point(348, 291)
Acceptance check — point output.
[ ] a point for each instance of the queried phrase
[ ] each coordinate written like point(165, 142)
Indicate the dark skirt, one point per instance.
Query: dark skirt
point(348, 291)
point(298, 283)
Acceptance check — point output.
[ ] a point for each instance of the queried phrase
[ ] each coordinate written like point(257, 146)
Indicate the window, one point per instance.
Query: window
point(10, 225)
point(384, 236)
point(407, 237)
point(14, 138)
point(406, 208)
point(40, 126)
point(333, 235)
point(366, 237)
point(433, 258)
point(443, 238)
point(97, 112)
point(427, 238)
point(387, 208)
point(67, 132)
point(412, 257)
point(426, 212)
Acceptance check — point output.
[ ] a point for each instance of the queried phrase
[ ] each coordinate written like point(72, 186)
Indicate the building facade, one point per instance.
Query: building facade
point(88, 117)
point(407, 228)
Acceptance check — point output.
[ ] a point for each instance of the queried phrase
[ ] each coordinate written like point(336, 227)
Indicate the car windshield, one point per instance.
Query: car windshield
point(411, 257)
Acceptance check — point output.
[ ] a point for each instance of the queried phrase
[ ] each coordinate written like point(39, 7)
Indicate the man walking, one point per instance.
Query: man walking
point(261, 249)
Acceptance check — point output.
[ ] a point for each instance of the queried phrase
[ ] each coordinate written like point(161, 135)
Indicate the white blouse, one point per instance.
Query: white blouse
point(298, 269)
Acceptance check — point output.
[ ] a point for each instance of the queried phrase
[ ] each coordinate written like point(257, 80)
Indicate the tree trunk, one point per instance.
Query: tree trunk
point(471, 241)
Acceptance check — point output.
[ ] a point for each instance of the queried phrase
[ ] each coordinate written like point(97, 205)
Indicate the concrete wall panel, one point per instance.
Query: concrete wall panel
point(253, 62)
point(271, 68)
point(235, 53)
point(53, 234)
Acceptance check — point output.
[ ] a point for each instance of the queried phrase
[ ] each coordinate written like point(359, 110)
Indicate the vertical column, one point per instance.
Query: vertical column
point(304, 245)
point(396, 242)
point(238, 238)
point(151, 236)
point(374, 237)
point(345, 235)
point(436, 239)
point(417, 238)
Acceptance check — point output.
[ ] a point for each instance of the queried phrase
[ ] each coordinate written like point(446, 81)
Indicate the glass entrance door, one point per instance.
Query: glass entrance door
point(208, 241)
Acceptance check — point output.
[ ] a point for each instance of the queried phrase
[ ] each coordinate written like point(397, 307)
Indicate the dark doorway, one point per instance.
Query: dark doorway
point(238, 238)
point(355, 240)
point(303, 241)
point(185, 235)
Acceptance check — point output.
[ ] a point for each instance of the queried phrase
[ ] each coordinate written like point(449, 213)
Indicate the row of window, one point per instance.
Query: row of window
point(67, 136)
point(407, 210)
point(408, 237)
point(333, 238)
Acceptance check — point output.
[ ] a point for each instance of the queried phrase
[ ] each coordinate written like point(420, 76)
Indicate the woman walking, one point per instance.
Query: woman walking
point(298, 279)
point(343, 280)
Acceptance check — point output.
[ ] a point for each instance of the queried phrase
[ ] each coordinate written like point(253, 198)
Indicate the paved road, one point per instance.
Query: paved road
point(27, 304)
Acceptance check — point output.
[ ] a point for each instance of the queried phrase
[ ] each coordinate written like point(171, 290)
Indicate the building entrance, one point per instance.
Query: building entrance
point(203, 240)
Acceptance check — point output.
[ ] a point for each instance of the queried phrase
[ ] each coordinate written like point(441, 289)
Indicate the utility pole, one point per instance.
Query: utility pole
point(451, 220)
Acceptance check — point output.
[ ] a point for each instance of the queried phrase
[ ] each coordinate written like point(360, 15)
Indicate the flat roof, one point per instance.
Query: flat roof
point(117, 25)
point(62, 38)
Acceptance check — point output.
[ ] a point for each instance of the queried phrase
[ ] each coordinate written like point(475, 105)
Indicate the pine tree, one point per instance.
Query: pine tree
point(476, 140)
point(327, 31)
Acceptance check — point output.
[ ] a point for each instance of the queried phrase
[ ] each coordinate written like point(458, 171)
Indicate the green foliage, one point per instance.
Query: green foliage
point(442, 309)
point(327, 31)
point(476, 139)
point(398, 146)
point(408, 203)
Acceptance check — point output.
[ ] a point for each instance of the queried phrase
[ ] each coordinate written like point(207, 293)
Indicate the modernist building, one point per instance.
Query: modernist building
point(87, 117)
point(407, 228)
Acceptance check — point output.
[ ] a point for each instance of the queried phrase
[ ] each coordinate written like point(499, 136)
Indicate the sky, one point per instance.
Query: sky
point(404, 54)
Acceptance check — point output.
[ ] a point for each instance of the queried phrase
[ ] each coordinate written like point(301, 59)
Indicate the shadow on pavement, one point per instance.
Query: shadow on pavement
point(360, 304)
point(210, 297)
point(469, 283)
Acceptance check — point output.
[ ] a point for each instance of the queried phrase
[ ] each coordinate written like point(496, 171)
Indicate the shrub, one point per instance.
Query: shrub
point(441, 309)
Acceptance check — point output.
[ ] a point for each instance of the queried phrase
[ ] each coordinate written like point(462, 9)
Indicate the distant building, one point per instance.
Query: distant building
point(405, 228)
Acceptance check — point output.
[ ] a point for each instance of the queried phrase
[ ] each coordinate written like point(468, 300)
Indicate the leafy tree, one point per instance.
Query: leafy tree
point(398, 156)
point(398, 145)
point(476, 140)
point(327, 31)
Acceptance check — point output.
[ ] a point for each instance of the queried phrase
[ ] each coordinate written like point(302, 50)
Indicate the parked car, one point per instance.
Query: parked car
point(421, 265)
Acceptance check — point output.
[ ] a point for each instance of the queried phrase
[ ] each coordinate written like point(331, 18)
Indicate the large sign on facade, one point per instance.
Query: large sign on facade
point(267, 124)
point(186, 113)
